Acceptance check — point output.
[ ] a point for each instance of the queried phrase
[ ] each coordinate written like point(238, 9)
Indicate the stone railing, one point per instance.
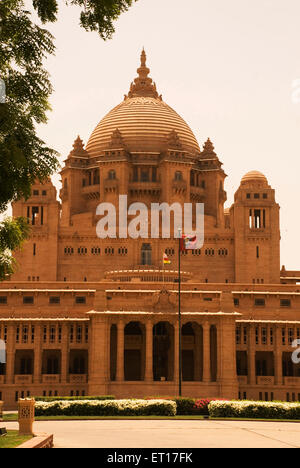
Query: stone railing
point(78, 378)
point(50, 378)
point(294, 381)
point(23, 379)
point(265, 380)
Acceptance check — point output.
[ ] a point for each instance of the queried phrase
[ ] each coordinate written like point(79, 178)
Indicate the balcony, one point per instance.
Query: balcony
point(23, 379)
point(50, 378)
point(78, 378)
point(265, 380)
point(197, 194)
point(91, 192)
point(111, 185)
point(137, 189)
point(292, 381)
point(179, 186)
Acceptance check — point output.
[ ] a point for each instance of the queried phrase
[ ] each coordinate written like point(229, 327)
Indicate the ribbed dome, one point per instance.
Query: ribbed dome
point(145, 124)
point(254, 176)
point(144, 121)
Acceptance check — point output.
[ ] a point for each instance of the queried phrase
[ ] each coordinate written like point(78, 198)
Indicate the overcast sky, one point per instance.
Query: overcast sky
point(229, 68)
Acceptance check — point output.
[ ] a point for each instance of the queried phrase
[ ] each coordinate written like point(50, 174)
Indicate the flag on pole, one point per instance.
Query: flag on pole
point(188, 243)
point(166, 260)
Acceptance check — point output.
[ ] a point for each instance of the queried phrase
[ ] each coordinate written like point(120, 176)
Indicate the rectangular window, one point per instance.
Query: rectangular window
point(80, 300)
point(54, 300)
point(256, 195)
point(236, 302)
point(3, 299)
point(285, 303)
point(28, 300)
point(32, 334)
point(34, 249)
point(25, 334)
point(79, 334)
point(71, 334)
point(257, 252)
point(245, 335)
point(264, 336)
point(45, 334)
point(52, 334)
point(259, 302)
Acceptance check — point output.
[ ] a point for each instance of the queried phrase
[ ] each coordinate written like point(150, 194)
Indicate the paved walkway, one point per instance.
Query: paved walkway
point(169, 434)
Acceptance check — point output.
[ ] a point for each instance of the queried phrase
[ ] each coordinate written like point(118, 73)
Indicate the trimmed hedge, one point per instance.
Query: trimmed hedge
point(187, 406)
point(74, 398)
point(106, 408)
point(254, 410)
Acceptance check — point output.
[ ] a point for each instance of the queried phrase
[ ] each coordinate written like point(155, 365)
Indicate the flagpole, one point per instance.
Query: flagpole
point(179, 312)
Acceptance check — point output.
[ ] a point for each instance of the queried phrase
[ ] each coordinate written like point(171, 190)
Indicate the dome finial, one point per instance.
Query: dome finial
point(143, 85)
point(143, 58)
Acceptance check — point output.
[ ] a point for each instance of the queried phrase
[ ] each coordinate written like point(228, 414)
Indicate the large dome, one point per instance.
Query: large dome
point(144, 120)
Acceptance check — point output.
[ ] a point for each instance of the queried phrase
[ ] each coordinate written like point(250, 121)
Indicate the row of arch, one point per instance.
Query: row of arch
point(164, 354)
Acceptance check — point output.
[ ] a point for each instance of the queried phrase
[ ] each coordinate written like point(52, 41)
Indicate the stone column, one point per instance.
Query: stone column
point(251, 356)
point(120, 351)
point(278, 357)
point(206, 352)
point(64, 370)
point(98, 372)
point(10, 354)
point(149, 352)
point(37, 353)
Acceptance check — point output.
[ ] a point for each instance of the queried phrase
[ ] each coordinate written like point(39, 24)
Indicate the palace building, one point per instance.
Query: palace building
point(90, 316)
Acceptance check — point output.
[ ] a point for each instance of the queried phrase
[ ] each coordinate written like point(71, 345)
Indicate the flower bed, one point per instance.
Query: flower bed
point(106, 408)
point(254, 410)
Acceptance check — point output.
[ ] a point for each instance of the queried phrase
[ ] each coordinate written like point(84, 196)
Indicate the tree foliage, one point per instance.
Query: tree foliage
point(24, 45)
point(13, 233)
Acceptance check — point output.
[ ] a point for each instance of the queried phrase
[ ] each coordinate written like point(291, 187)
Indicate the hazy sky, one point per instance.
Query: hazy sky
point(227, 67)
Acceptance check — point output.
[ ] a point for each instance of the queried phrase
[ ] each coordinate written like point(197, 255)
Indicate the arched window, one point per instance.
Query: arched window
point(178, 175)
point(112, 175)
point(146, 254)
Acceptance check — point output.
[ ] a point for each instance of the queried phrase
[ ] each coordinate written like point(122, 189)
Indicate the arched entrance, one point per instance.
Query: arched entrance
point(134, 352)
point(163, 351)
point(192, 352)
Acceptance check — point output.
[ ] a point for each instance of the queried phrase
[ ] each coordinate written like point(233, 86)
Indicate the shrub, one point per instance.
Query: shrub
point(254, 410)
point(106, 408)
point(73, 398)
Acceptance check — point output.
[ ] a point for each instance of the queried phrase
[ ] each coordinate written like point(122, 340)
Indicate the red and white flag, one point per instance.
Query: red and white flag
point(188, 243)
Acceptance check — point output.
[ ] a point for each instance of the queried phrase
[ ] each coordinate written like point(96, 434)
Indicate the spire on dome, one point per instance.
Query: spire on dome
point(173, 140)
point(208, 149)
point(78, 149)
point(143, 85)
point(117, 140)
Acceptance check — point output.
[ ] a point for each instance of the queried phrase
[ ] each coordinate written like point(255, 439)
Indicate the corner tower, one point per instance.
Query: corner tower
point(257, 232)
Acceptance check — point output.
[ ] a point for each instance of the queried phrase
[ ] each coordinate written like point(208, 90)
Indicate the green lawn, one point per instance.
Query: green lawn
point(12, 439)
